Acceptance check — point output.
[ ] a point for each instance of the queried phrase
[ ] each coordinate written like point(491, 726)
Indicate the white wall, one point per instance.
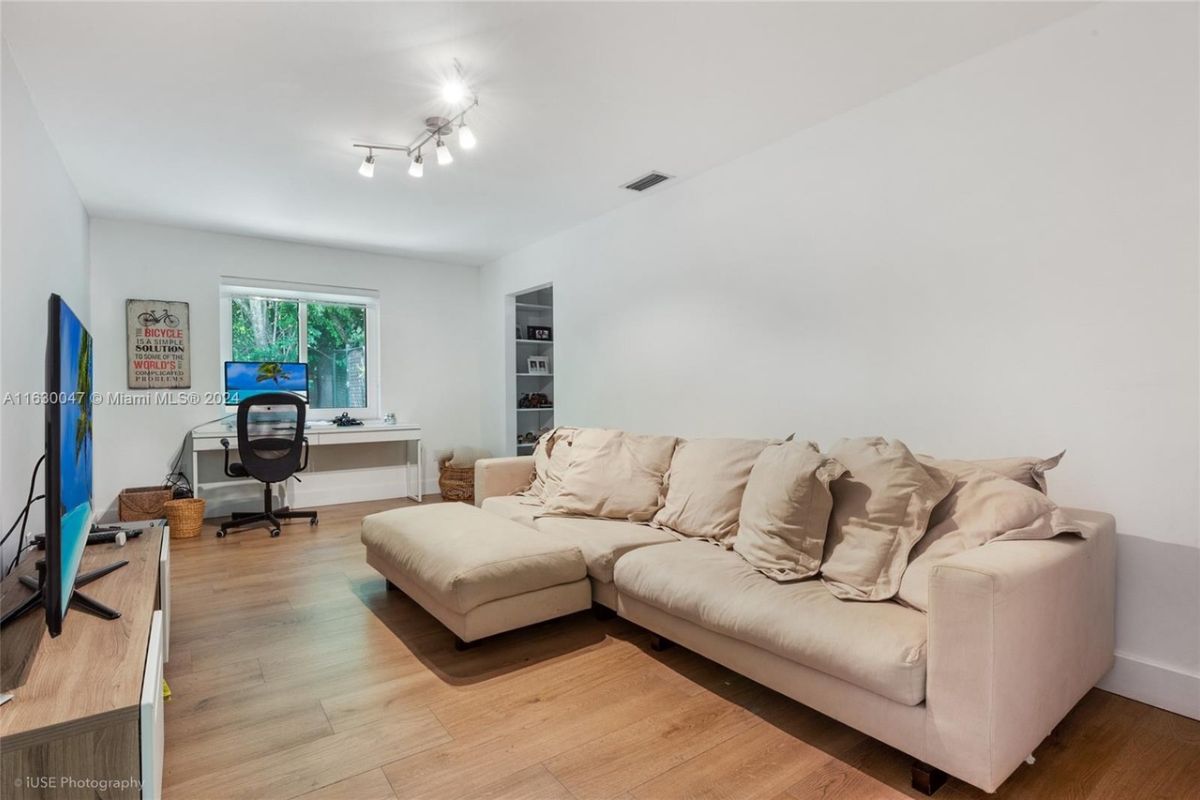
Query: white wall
point(1000, 259)
point(44, 249)
point(430, 372)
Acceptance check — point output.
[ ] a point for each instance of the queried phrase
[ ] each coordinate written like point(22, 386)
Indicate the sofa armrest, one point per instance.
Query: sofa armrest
point(501, 476)
point(1019, 631)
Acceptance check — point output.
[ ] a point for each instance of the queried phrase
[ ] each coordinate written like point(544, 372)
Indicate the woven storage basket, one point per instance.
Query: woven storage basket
point(456, 483)
point(186, 517)
point(142, 502)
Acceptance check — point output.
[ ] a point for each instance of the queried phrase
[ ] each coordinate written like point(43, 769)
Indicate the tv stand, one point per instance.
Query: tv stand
point(78, 599)
point(88, 704)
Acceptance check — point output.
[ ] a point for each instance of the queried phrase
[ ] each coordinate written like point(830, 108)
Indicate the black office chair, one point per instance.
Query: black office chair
point(270, 451)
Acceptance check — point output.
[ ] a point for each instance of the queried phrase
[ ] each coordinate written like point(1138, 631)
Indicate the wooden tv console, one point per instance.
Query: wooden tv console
point(86, 719)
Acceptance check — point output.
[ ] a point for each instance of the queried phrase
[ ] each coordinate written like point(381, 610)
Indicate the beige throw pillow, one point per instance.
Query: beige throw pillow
point(613, 474)
point(982, 507)
point(551, 456)
point(881, 507)
point(1027, 470)
point(785, 511)
point(704, 487)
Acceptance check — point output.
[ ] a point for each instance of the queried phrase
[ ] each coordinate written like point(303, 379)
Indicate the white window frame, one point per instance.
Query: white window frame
point(307, 293)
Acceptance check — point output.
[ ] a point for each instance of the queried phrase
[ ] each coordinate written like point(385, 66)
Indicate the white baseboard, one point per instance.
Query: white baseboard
point(1154, 684)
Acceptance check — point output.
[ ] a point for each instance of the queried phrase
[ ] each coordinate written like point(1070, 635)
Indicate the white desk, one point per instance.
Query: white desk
point(207, 438)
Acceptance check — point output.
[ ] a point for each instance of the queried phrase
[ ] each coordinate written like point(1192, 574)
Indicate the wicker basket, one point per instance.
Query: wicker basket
point(185, 517)
point(142, 502)
point(456, 483)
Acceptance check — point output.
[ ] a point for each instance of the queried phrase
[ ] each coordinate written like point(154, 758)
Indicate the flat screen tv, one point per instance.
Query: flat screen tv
point(68, 480)
point(247, 378)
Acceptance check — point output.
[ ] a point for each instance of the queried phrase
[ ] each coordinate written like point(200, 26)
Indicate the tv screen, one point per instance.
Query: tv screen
point(247, 378)
point(68, 456)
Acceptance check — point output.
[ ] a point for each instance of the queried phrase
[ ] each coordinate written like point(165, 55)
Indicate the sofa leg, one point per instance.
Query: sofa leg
point(660, 643)
point(926, 779)
point(602, 612)
point(460, 645)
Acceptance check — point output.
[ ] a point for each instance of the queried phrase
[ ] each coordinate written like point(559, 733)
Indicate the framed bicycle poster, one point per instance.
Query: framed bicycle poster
point(158, 344)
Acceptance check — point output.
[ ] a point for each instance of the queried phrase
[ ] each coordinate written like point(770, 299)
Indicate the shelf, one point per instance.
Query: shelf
point(534, 341)
point(551, 408)
point(533, 307)
point(535, 374)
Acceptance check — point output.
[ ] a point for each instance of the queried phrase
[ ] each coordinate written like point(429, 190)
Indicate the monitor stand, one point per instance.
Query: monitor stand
point(78, 599)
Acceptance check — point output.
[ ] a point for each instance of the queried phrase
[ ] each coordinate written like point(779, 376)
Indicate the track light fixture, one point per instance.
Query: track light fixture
point(443, 154)
point(466, 137)
point(367, 170)
point(456, 92)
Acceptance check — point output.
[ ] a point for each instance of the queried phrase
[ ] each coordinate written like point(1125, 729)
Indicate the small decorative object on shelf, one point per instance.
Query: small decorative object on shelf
point(538, 365)
point(529, 438)
point(541, 333)
point(534, 400)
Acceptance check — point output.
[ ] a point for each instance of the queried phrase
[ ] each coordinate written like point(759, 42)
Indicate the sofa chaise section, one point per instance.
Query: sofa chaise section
point(477, 573)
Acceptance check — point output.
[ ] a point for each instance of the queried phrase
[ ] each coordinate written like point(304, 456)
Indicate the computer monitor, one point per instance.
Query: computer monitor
point(68, 481)
point(247, 378)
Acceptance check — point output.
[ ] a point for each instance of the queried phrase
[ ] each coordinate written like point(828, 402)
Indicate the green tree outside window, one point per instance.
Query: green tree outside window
point(329, 337)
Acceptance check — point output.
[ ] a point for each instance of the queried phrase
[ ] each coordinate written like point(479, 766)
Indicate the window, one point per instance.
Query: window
point(331, 330)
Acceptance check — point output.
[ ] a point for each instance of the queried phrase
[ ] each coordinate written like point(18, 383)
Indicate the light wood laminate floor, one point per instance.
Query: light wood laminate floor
point(294, 673)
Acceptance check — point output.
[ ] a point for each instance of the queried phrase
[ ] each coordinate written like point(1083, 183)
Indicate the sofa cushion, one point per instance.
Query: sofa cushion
point(602, 541)
point(877, 646)
point(516, 507)
point(613, 474)
point(983, 506)
point(785, 510)
point(704, 487)
point(463, 557)
point(881, 507)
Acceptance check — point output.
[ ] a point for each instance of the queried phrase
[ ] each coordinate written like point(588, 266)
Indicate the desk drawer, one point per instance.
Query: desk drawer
point(355, 437)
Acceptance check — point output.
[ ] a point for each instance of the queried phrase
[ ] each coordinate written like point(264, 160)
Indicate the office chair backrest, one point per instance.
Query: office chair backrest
point(269, 445)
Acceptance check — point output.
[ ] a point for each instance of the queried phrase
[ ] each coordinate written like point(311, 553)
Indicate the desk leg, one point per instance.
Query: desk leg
point(194, 478)
point(420, 470)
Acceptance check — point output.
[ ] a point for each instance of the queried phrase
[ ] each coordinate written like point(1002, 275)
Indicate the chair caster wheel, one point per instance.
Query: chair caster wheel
point(312, 523)
point(274, 532)
point(220, 534)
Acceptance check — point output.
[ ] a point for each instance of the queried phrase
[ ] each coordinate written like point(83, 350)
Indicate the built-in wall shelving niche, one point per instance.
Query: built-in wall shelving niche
point(533, 308)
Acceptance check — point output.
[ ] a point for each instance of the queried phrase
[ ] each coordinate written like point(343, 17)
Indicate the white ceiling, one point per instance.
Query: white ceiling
point(239, 117)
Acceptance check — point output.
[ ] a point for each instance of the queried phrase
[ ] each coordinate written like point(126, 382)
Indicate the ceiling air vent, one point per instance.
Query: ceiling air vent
point(646, 181)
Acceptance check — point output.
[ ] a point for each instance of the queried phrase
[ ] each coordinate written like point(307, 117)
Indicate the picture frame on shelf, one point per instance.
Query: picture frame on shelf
point(538, 365)
point(539, 333)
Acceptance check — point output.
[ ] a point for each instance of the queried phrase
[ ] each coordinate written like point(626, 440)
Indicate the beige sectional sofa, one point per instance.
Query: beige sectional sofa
point(1016, 632)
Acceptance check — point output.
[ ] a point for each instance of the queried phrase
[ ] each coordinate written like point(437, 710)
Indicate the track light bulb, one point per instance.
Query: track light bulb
point(417, 167)
point(443, 154)
point(466, 137)
point(367, 170)
point(454, 92)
